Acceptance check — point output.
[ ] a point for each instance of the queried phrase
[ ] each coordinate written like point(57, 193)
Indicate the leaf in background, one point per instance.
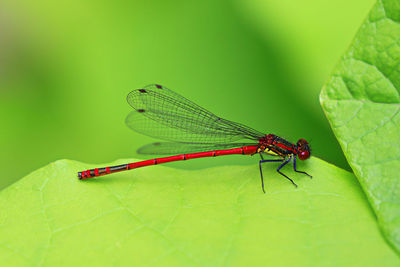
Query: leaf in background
point(361, 101)
point(214, 217)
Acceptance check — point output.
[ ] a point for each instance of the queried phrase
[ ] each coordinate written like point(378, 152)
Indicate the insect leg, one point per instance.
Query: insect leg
point(262, 161)
point(294, 166)
point(280, 167)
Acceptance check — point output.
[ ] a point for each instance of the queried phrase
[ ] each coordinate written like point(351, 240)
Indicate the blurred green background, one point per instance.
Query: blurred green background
point(67, 66)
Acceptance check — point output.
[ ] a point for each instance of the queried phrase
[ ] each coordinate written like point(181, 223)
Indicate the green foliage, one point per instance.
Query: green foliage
point(361, 101)
point(161, 216)
point(66, 69)
point(212, 217)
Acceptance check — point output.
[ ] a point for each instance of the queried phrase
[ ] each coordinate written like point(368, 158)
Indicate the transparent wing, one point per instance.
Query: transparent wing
point(162, 113)
point(165, 148)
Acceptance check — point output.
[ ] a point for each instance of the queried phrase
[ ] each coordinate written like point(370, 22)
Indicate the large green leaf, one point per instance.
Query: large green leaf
point(163, 216)
point(361, 101)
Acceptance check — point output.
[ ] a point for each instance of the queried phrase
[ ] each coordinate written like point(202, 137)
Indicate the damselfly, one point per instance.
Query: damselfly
point(193, 132)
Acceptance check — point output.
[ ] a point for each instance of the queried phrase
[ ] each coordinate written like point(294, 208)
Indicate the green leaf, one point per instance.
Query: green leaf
point(161, 216)
point(361, 100)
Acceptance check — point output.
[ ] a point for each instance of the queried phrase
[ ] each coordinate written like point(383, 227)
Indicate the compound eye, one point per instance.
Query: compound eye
point(303, 155)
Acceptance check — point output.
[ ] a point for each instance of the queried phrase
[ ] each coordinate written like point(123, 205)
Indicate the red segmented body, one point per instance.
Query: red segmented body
point(247, 150)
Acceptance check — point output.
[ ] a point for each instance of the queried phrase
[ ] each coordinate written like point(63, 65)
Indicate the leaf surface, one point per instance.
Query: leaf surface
point(159, 216)
point(361, 100)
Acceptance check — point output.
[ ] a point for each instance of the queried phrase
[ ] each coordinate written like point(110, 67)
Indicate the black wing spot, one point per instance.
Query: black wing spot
point(158, 86)
point(141, 110)
point(142, 90)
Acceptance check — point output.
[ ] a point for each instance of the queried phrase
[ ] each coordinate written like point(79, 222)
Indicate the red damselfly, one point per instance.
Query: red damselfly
point(193, 132)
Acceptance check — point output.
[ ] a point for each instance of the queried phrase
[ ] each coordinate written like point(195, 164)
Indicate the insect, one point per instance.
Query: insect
point(193, 132)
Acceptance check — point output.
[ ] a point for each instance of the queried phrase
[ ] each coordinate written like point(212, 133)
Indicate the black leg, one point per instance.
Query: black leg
point(280, 167)
point(262, 161)
point(294, 166)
